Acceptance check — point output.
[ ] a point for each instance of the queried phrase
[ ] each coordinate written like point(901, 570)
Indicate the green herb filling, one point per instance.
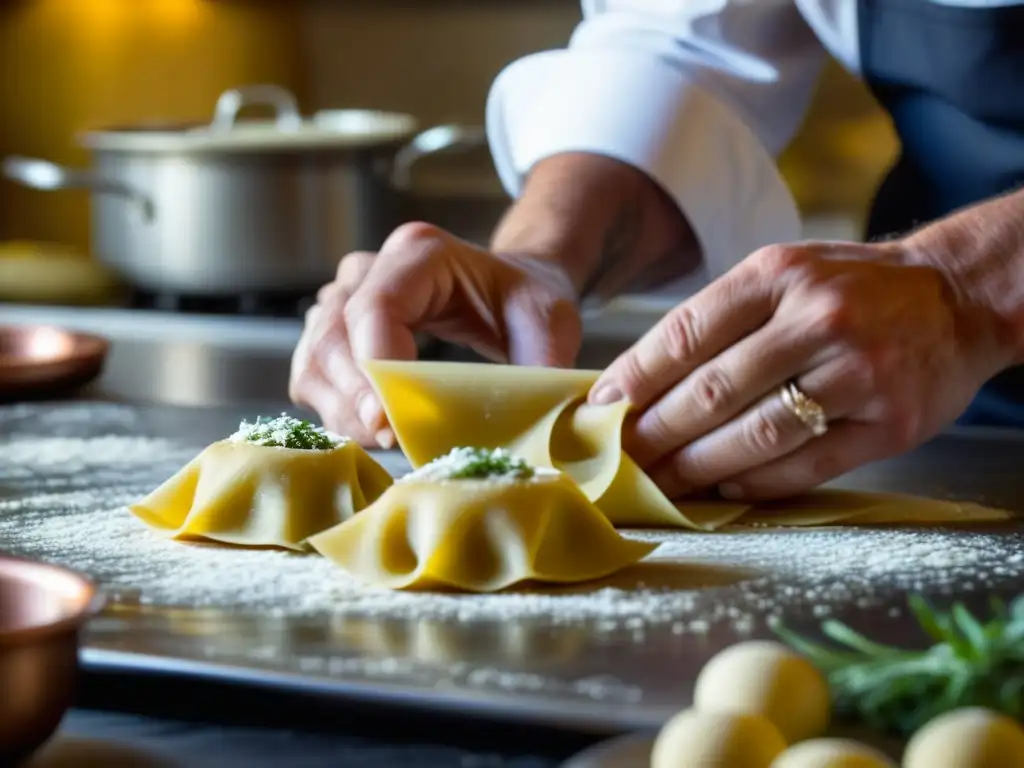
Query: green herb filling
point(476, 464)
point(286, 432)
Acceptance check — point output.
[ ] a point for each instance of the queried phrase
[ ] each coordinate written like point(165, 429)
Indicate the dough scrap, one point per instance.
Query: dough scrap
point(479, 535)
point(827, 506)
point(252, 495)
point(542, 415)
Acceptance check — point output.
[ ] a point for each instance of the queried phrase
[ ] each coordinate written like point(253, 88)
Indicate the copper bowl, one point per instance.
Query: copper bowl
point(42, 610)
point(42, 361)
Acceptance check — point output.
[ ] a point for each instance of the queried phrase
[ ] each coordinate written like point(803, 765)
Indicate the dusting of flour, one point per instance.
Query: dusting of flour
point(63, 497)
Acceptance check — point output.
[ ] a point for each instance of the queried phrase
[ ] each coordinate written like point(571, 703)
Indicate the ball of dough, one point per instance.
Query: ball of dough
point(767, 679)
point(971, 737)
point(695, 739)
point(832, 753)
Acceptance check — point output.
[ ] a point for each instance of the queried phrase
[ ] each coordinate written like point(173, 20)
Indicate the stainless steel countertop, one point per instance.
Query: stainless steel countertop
point(208, 360)
point(578, 674)
point(178, 359)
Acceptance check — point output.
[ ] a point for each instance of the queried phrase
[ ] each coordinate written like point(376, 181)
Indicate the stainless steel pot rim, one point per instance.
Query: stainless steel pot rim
point(287, 131)
point(332, 130)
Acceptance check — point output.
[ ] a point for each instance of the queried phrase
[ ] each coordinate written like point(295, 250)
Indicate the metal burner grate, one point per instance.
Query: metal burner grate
point(262, 304)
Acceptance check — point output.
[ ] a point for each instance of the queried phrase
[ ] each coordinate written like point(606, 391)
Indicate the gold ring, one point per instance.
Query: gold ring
point(804, 408)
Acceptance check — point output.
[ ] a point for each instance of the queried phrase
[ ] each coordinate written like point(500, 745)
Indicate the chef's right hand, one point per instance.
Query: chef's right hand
point(510, 309)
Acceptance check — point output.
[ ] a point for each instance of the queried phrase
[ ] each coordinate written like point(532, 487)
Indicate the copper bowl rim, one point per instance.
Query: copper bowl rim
point(84, 346)
point(91, 605)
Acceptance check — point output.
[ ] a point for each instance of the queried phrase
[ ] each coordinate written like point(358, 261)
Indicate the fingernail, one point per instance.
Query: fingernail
point(606, 394)
point(730, 491)
point(369, 411)
point(385, 438)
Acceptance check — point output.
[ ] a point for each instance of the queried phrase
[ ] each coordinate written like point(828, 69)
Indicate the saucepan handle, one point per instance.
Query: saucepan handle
point(286, 108)
point(44, 175)
point(440, 138)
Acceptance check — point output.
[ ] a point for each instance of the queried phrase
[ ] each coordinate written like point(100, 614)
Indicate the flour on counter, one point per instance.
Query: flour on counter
point(68, 417)
point(63, 500)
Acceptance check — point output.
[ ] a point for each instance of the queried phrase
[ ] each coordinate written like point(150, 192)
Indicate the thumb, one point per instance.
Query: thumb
point(542, 330)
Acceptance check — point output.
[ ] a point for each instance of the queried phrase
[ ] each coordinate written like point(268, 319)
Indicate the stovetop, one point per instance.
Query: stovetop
point(281, 304)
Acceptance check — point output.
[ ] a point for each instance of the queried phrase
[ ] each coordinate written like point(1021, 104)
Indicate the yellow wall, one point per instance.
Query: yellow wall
point(69, 65)
point(843, 148)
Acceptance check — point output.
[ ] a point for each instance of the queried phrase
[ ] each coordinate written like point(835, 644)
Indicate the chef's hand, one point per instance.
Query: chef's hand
point(888, 345)
point(583, 222)
point(509, 309)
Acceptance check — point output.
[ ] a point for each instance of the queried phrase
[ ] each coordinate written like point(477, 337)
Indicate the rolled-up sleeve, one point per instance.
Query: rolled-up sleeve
point(698, 94)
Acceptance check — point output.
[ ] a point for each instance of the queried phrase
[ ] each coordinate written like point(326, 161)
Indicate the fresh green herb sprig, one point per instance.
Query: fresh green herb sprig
point(895, 689)
point(287, 432)
point(476, 463)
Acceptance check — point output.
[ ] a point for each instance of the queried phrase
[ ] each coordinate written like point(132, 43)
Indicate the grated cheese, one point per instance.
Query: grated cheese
point(497, 465)
point(282, 430)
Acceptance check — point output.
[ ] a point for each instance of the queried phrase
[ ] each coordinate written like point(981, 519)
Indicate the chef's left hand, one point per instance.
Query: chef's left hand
point(890, 351)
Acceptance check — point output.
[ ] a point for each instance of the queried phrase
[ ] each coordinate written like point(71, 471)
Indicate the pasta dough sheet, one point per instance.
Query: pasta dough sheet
point(830, 506)
point(479, 535)
point(252, 495)
point(541, 414)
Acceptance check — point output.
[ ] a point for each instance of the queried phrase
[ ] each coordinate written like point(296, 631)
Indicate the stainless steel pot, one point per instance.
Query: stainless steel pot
point(245, 205)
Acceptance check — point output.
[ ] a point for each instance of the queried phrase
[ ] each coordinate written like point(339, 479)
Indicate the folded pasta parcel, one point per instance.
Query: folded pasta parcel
point(540, 414)
point(479, 520)
point(272, 483)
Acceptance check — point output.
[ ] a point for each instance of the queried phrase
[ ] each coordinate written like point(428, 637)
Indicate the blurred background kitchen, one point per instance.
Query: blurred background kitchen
point(126, 260)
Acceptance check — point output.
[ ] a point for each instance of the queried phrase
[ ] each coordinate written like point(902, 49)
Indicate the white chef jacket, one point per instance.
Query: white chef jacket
point(701, 95)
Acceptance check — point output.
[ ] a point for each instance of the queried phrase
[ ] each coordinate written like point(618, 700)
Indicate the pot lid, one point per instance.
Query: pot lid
point(288, 131)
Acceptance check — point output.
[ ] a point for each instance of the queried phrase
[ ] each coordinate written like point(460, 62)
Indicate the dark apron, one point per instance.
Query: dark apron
point(952, 78)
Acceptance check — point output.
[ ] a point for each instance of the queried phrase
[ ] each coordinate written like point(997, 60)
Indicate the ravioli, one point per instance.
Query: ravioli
point(251, 493)
point(542, 415)
point(438, 529)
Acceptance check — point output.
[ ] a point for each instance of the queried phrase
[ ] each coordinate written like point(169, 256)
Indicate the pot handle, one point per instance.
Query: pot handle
point(286, 107)
point(44, 175)
point(440, 138)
